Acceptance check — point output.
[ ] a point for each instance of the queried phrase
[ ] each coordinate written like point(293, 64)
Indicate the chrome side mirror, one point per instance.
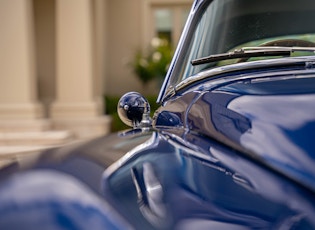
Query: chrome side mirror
point(134, 110)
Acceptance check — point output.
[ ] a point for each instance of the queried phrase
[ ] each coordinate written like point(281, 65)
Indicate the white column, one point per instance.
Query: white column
point(78, 106)
point(18, 89)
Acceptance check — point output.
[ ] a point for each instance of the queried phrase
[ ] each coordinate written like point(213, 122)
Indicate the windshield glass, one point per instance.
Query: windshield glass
point(220, 26)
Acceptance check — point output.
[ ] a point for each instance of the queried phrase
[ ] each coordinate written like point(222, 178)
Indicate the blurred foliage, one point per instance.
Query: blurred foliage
point(148, 65)
point(111, 109)
point(154, 62)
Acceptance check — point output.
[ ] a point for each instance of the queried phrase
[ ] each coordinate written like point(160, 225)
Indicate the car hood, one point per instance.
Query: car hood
point(270, 119)
point(187, 181)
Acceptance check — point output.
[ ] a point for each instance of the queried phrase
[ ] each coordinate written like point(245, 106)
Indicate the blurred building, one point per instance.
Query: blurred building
point(59, 57)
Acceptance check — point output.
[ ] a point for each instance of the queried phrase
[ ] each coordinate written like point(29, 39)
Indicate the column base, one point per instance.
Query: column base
point(84, 128)
point(85, 120)
point(22, 125)
point(76, 110)
point(23, 136)
point(27, 111)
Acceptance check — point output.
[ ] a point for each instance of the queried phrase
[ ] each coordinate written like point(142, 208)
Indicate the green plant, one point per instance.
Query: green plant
point(154, 62)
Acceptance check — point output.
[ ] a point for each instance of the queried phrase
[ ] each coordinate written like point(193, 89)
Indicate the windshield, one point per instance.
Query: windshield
point(221, 26)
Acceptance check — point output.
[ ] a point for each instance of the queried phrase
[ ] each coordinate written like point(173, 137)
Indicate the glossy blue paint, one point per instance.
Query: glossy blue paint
point(231, 146)
point(269, 118)
point(191, 182)
point(60, 188)
point(47, 199)
point(272, 118)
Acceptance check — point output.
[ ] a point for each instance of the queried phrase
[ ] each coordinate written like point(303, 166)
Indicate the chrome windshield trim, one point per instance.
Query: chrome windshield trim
point(166, 87)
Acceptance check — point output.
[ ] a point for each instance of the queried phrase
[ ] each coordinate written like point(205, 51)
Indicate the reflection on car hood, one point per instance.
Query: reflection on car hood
point(272, 118)
point(197, 183)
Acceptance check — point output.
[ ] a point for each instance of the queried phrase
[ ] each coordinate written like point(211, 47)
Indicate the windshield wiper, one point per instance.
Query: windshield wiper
point(248, 52)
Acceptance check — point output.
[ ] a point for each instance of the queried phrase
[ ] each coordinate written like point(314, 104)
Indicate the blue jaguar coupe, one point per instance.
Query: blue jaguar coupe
point(232, 145)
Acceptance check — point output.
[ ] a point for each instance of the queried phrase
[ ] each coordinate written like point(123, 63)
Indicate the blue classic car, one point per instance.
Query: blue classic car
point(232, 145)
